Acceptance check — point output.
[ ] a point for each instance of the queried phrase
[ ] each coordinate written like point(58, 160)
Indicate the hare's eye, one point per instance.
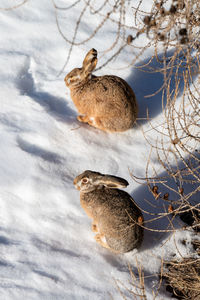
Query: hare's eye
point(85, 180)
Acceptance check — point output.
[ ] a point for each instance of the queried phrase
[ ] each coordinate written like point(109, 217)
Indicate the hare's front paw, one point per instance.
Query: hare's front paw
point(98, 237)
point(94, 227)
point(83, 119)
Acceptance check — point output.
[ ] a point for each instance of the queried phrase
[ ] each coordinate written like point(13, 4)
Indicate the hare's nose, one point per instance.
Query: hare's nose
point(77, 185)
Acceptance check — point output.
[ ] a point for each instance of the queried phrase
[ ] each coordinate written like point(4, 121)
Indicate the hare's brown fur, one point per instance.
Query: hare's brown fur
point(106, 102)
point(116, 218)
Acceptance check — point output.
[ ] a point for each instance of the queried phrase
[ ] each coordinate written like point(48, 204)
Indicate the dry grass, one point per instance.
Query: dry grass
point(183, 278)
point(180, 278)
point(137, 288)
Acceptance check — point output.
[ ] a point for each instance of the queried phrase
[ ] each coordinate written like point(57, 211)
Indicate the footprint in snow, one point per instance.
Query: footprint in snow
point(55, 106)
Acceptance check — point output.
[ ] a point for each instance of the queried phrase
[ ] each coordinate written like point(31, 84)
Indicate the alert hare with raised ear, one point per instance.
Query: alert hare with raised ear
point(117, 220)
point(105, 102)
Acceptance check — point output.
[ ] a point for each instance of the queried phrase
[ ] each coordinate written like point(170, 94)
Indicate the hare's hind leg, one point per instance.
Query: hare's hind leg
point(96, 122)
point(90, 120)
point(83, 119)
point(94, 227)
point(102, 124)
point(98, 237)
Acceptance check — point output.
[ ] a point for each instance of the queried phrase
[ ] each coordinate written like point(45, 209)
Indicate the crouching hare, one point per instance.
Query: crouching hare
point(117, 220)
point(105, 102)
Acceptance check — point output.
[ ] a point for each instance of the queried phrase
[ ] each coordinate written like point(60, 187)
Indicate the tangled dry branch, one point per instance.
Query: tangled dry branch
point(182, 278)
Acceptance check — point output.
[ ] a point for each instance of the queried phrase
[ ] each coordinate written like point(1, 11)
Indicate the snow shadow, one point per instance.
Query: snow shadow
point(55, 246)
point(5, 241)
point(153, 208)
point(55, 106)
point(46, 275)
point(37, 151)
point(145, 83)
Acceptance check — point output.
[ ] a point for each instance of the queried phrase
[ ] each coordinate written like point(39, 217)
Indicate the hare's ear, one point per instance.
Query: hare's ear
point(90, 61)
point(114, 182)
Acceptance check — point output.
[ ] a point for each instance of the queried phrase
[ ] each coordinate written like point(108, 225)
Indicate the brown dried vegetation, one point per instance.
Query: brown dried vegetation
point(182, 278)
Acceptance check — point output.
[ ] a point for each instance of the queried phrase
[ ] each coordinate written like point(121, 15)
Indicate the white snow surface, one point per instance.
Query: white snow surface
point(47, 249)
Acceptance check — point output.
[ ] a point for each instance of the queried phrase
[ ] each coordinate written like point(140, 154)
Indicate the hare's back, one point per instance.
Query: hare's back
point(118, 210)
point(106, 90)
point(118, 222)
point(117, 199)
point(114, 87)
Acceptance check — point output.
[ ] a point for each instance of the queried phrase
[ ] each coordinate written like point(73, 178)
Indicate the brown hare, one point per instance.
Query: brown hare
point(105, 102)
point(117, 220)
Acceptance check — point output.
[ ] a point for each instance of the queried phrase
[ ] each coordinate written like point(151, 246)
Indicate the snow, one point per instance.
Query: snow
point(47, 249)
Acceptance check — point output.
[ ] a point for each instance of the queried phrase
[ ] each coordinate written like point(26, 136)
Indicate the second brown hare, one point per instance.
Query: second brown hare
point(116, 219)
point(105, 102)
